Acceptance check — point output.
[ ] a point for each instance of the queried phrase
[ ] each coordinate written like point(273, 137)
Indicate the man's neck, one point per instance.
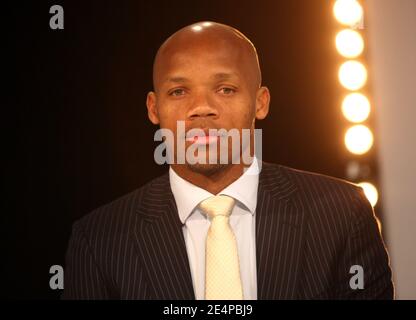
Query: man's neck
point(213, 183)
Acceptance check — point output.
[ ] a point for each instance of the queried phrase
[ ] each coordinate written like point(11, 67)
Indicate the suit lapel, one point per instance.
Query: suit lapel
point(161, 244)
point(280, 225)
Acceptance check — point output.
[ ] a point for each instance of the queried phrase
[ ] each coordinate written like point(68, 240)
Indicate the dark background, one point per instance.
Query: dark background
point(76, 127)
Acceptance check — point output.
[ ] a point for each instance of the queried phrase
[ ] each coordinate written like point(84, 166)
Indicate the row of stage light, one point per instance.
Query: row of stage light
point(352, 75)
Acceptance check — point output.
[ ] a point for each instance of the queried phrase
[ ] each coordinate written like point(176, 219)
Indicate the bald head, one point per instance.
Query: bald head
point(203, 38)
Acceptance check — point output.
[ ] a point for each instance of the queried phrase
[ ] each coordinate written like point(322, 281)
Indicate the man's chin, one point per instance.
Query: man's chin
point(207, 169)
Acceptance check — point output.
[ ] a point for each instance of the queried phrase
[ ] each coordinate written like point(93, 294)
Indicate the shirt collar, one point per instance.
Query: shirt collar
point(188, 196)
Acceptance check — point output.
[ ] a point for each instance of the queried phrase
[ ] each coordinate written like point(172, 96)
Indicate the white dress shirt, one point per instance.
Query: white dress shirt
point(242, 221)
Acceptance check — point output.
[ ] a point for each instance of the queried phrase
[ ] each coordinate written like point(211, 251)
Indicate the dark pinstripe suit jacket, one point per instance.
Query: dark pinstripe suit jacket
point(310, 230)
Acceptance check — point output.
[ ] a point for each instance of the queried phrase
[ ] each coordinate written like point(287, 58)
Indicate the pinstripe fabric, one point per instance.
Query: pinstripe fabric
point(310, 229)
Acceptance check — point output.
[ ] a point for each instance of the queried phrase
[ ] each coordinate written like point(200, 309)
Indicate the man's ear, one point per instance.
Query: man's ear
point(151, 108)
point(262, 103)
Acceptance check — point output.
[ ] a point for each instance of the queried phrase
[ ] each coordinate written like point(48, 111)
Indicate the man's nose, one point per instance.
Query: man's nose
point(202, 107)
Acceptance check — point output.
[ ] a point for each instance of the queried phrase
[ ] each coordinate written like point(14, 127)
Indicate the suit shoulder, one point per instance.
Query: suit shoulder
point(319, 188)
point(330, 203)
point(119, 211)
point(317, 181)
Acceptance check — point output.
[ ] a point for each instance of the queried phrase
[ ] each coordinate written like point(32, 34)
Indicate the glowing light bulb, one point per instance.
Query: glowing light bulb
point(370, 192)
point(352, 75)
point(356, 107)
point(348, 12)
point(358, 139)
point(349, 43)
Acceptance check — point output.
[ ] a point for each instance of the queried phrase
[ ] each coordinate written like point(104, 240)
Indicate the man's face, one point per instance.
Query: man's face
point(208, 86)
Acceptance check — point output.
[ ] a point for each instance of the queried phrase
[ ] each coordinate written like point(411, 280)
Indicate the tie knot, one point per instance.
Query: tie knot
point(221, 205)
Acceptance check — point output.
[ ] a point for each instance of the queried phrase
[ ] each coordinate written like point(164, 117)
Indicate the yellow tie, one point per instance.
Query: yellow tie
point(222, 270)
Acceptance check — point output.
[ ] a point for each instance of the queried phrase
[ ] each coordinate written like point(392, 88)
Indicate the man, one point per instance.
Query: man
point(215, 230)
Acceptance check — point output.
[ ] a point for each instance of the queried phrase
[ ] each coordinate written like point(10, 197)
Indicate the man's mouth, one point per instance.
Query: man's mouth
point(203, 139)
point(206, 138)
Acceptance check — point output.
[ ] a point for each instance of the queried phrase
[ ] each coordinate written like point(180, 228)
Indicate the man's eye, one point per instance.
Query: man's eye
point(177, 92)
point(227, 90)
